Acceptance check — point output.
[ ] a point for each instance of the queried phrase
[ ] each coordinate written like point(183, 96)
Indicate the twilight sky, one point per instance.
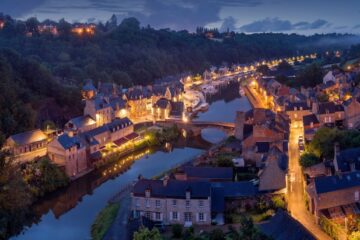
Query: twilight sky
point(300, 16)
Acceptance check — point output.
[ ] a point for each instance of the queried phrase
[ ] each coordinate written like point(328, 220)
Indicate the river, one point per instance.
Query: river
point(69, 213)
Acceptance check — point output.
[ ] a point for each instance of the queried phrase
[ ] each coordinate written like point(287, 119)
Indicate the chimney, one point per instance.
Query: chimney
point(166, 180)
point(336, 152)
point(239, 125)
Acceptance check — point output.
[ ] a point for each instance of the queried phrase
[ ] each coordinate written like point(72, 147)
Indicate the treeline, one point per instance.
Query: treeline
point(41, 72)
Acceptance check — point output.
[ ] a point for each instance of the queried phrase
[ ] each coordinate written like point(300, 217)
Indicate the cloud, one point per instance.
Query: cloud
point(279, 25)
point(185, 14)
point(268, 25)
point(357, 26)
point(18, 8)
point(228, 24)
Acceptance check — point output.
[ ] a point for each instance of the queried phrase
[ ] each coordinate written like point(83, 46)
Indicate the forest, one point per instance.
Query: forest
point(41, 73)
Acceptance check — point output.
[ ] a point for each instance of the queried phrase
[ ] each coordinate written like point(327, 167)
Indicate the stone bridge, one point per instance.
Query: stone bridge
point(195, 127)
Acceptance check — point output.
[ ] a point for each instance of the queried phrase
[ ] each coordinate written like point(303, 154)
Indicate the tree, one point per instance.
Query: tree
point(146, 234)
point(308, 160)
point(310, 76)
point(263, 69)
point(130, 24)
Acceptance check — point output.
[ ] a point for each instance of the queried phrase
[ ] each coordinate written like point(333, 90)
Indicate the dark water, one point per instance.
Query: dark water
point(69, 213)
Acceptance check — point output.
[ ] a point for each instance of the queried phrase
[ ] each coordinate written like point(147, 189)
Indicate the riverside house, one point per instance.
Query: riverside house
point(27, 145)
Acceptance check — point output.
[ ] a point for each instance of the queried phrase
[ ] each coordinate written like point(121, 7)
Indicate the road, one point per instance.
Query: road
point(295, 194)
point(254, 97)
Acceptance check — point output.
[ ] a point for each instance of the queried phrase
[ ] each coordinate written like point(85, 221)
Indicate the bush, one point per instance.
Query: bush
point(308, 160)
point(177, 230)
point(278, 202)
point(217, 234)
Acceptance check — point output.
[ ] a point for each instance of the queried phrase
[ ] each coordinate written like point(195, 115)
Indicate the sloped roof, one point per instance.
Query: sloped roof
point(336, 182)
point(29, 137)
point(283, 227)
point(67, 142)
point(346, 157)
point(308, 119)
point(330, 107)
point(296, 106)
point(173, 188)
point(208, 172)
point(82, 121)
point(89, 86)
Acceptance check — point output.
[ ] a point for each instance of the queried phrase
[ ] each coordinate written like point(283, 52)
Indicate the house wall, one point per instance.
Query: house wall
point(352, 114)
point(121, 133)
point(166, 209)
point(334, 199)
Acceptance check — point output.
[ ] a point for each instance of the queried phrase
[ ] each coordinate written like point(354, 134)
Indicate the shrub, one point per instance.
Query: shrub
point(278, 202)
point(308, 160)
point(177, 230)
point(217, 234)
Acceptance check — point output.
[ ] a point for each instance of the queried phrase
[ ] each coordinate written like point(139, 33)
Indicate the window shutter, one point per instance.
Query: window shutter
point(170, 217)
point(154, 216)
point(197, 217)
point(204, 217)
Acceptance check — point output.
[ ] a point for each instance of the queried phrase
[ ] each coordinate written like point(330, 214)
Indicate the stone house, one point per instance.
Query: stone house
point(172, 201)
point(352, 113)
point(329, 193)
point(311, 124)
point(330, 114)
point(69, 152)
point(161, 109)
point(296, 110)
point(27, 145)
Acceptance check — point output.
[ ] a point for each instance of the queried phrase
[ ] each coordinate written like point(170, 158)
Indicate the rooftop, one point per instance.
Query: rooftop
point(337, 182)
point(29, 137)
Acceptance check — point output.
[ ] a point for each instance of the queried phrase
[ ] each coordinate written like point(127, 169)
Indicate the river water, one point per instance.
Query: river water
point(69, 213)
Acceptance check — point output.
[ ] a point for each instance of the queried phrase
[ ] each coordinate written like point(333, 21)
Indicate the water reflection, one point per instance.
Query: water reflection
point(213, 135)
point(224, 104)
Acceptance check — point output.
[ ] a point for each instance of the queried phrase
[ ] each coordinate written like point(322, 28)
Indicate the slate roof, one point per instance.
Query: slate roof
point(119, 123)
point(311, 118)
point(67, 142)
point(82, 121)
point(349, 156)
point(296, 106)
point(337, 182)
point(283, 227)
point(173, 189)
point(29, 137)
point(162, 103)
point(207, 173)
point(330, 107)
point(217, 199)
point(236, 189)
point(137, 93)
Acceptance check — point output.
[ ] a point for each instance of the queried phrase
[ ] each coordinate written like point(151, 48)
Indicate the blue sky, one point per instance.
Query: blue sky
point(304, 17)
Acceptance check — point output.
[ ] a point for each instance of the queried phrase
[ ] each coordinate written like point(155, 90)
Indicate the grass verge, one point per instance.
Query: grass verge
point(103, 221)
